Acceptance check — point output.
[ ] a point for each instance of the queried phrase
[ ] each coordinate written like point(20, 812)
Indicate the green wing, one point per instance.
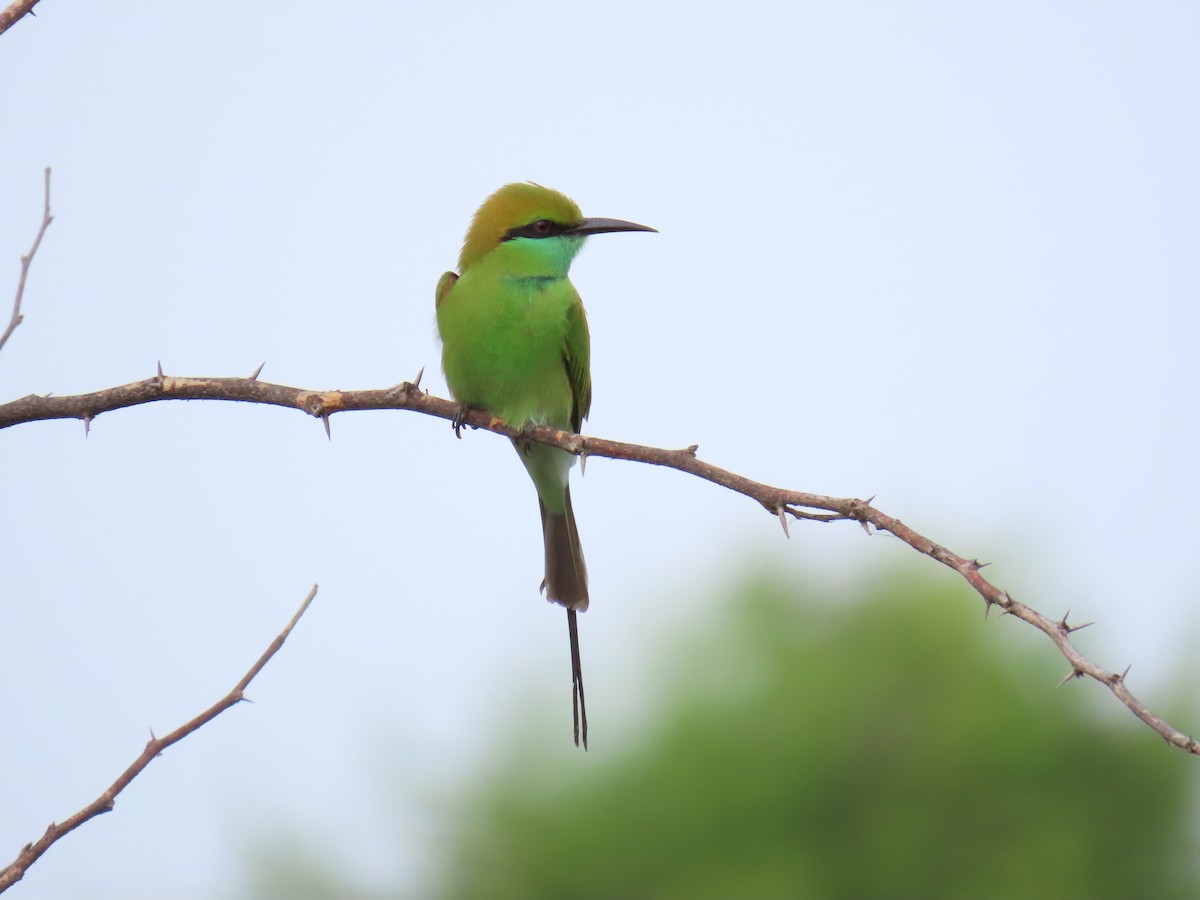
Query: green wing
point(444, 284)
point(577, 356)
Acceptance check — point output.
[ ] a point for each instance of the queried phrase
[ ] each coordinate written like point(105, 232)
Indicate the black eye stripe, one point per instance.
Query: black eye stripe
point(542, 228)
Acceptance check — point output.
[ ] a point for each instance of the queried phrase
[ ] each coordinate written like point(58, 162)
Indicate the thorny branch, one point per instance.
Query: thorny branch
point(30, 853)
point(15, 11)
point(28, 257)
point(778, 502)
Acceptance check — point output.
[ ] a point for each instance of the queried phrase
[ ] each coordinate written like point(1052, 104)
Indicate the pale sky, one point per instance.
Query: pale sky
point(935, 253)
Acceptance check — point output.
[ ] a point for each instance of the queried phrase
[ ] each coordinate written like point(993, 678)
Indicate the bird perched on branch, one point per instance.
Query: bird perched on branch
point(515, 344)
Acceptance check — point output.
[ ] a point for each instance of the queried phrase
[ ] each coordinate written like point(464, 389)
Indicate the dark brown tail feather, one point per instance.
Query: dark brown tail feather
point(566, 574)
point(578, 706)
point(566, 583)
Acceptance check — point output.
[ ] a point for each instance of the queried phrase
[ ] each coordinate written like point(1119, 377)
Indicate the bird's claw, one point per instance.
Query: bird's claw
point(460, 419)
point(524, 438)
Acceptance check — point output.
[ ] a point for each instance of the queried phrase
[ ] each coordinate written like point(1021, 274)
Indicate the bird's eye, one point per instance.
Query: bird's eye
point(542, 226)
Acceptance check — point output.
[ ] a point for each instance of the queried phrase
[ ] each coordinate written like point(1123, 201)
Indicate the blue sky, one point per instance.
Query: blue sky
point(937, 253)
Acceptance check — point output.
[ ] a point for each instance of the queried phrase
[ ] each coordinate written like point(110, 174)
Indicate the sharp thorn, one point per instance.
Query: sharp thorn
point(1073, 674)
point(87, 426)
point(417, 381)
point(258, 371)
point(160, 371)
point(583, 462)
point(782, 513)
point(1066, 628)
point(325, 419)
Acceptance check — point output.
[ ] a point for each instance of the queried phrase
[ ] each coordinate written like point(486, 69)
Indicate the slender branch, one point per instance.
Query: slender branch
point(17, 318)
point(15, 11)
point(30, 853)
point(785, 504)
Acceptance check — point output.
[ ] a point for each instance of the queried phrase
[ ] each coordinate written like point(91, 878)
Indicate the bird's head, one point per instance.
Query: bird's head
point(537, 222)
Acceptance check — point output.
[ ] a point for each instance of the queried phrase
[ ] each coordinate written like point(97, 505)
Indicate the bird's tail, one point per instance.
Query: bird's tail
point(566, 574)
point(566, 583)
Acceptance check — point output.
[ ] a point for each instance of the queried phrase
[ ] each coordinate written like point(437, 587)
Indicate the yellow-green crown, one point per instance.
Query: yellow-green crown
point(512, 206)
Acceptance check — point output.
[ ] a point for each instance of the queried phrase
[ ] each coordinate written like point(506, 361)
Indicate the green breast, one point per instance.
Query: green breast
point(504, 341)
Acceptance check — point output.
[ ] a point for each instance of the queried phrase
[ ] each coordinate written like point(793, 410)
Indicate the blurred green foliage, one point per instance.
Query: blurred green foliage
point(886, 745)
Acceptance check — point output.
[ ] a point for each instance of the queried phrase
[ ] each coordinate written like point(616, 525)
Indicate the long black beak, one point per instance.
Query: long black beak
point(603, 226)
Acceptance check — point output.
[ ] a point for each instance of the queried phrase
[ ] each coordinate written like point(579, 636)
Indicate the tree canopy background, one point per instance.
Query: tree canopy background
point(877, 742)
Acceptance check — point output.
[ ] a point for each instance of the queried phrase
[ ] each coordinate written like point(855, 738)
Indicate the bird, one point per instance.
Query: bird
point(515, 344)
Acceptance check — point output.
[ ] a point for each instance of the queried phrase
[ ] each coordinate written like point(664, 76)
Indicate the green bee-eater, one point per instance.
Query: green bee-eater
point(515, 343)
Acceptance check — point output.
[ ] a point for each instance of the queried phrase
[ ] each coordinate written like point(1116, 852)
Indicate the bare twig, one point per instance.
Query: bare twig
point(28, 257)
point(796, 504)
point(15, 11)
point(30, 853)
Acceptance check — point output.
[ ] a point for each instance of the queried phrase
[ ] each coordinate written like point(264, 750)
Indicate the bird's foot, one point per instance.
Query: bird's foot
point(460, 419)
point(524, 438)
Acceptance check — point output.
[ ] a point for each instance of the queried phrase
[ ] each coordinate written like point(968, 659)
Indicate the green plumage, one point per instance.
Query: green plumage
point(515, 343)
